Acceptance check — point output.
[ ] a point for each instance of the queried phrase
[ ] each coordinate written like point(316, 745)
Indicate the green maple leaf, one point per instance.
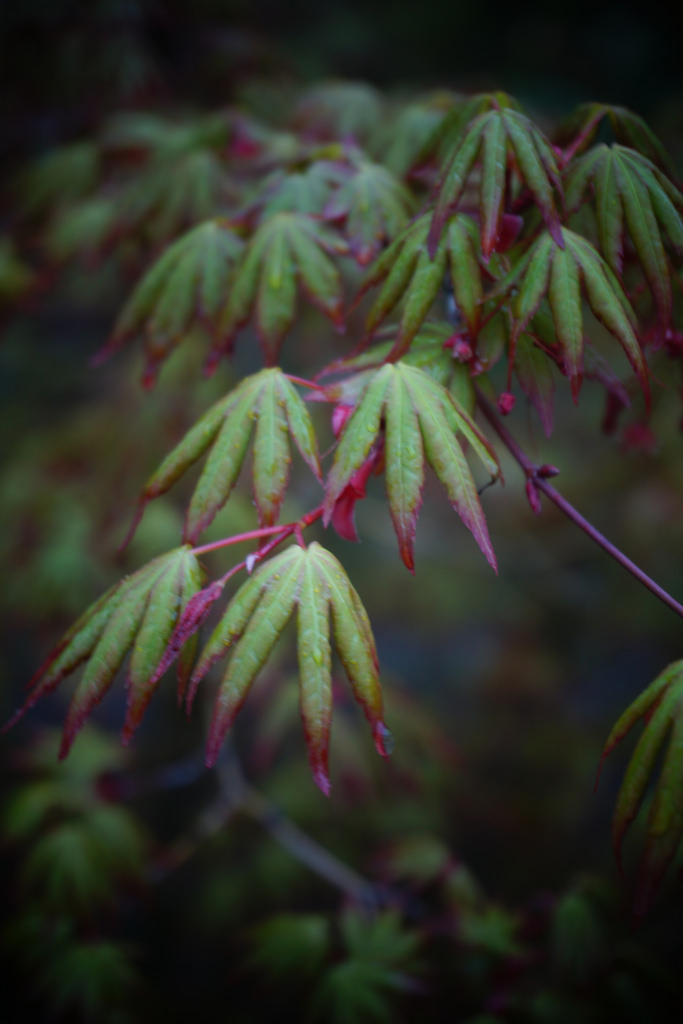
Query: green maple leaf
point(504, 140)
point(374, 205)
point(403, 143)
point(632, 193)
point(535, 374)
point(422, 421)
point(60, 177)
point(661, 707)
point(138, 614)
point(173, 194)
point(287, 252)
point(560, 274)
point(314, 581)
point(339, 110)
point(265, 404)
point(305, 191)
point(409, 272)
point(628, 128)
point(189, 282)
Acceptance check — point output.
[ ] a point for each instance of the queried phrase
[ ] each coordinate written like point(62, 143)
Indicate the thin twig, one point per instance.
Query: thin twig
point(535, 475)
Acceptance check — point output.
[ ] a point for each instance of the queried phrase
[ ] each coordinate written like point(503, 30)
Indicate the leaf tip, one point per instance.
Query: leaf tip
point(384, 741)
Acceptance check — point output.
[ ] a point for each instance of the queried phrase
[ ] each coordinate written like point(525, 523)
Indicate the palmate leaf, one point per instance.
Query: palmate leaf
point(304, 191)
point(287, 251)
point(170, 195)
point(503, 139)
point(265, 403)
point(374, 205)
point(312, 580)
point(661, 707)
point(632, 193)
point(138, 614)
point(410, 273)
point(560, 274)
point(401, 146)
point(422, 421)
point(188, 282)
point(339, 110)
point(580, 129)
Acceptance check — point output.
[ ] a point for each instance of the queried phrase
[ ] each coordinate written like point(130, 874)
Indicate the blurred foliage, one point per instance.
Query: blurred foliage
point(145, 888)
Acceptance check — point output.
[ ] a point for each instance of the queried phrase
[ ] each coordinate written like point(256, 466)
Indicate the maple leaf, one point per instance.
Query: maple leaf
point(170, 195)
point(287, 250)
point(374, 206)
point(661, 707)
point(339, 110)
point(559, 274)
point(631, 192)
point(506, 141)
point(314, 581)
point(535, 374)
point(409, 272)
point(59, 177)
point(138, 614)
point(301, 191)
point(267, 404)
point(628, 128)
point(403, 144)
point(422, 421)
point(188, 282)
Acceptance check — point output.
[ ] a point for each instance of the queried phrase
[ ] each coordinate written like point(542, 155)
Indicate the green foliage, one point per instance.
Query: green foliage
point(497, 246)
point(660, 706)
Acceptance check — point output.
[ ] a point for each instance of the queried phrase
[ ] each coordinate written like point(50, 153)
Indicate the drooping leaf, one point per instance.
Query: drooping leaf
point(507, 140)
point(559, 274)
point(403, 396)
point(287, 250)
point(339, 110)
point(374, 205)
point(138, 614)
point(188, 282)
point(312, 579)
point(631, 192)
point(267, 402)
point(661, 707)
point(534, 370)
point(410, 273)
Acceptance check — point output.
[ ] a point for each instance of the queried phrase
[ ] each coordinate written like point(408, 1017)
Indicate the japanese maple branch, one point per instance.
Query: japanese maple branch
point(536, 476)
point(278, 533)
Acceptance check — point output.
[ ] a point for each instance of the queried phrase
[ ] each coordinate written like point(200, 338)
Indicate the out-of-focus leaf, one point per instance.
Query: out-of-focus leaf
point(381, 962)
point(60, 177)
point(534, 370)
point(410, 273)
point(174, 193)
point(630, 191)
point(290, 947)
point(287, 250)
point(661, 707)
point(403, 142)
point(315, 581)
point(374, 206)
point(411, 403)
point(559, 274)
point(339, 110)
point(188, 282)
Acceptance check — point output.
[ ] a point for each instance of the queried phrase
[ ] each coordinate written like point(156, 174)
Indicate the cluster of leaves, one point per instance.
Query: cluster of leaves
point(79, 854)
point(475, 209)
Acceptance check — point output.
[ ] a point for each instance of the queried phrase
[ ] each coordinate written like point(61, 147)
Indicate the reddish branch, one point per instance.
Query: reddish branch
point(537, 480)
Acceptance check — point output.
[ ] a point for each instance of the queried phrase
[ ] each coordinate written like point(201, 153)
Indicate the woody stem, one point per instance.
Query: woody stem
point(538, 480)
